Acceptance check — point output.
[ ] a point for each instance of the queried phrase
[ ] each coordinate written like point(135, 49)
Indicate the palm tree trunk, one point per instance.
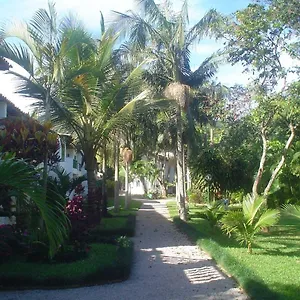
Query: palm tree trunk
point(103, 191)
point(47, 119)
point(180, 167)
point(93, 196)
point(249, 247)
point(184, 171)
point(127, 194)
point(116, 187)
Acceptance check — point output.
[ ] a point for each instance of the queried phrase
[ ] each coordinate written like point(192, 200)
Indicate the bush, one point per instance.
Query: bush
point(212, 213)
point(195, 196)
point(11, 242)
point(105, 263)
point(110, 187)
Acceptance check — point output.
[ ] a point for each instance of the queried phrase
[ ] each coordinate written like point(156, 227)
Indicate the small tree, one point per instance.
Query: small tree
point(245, 224)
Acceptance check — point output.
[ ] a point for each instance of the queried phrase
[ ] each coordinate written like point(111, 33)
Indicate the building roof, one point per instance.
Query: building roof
point(12, 110)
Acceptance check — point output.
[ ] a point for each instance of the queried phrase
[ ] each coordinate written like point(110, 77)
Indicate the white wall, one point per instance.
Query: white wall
point(3, 109)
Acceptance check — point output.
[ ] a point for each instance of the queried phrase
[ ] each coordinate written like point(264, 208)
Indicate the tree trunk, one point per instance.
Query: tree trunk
point(93, 196)
point(261, 164)
point(282, 160)
point(127, 194)
point(144, 183)
point(188, 178)
point(184, 172)
point(45, 167)
point(249, 247)
point(180, 166)
point(47, 119)
point(116, 187)
point(211, 135)
point(103, 190)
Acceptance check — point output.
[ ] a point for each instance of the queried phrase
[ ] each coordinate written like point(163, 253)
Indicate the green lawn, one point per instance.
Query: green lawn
point(121, 223)
point(272, 272)
point(133, 207)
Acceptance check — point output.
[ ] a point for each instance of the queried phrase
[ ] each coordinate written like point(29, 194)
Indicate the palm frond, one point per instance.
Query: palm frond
point(205, 27)
point(152, 12)
point(268, 218)
point(251, 206)
point(18, 54)
point(291, 210)
point(19, 176)
point(204, 72)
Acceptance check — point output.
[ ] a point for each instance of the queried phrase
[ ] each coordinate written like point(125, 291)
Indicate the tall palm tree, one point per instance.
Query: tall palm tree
point(94, 99)
point(166, 36)
point(41, 50)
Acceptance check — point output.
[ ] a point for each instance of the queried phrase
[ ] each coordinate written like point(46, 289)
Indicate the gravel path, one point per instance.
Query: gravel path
point(167, 266)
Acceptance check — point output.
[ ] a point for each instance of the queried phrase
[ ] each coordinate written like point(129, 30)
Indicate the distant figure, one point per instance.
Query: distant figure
point(226, 203)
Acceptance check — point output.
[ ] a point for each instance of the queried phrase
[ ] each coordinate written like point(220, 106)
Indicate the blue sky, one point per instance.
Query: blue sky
point(88, 12)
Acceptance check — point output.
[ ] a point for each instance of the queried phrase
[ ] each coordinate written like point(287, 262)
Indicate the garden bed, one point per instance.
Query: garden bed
point(271, 272)
point(105, 263)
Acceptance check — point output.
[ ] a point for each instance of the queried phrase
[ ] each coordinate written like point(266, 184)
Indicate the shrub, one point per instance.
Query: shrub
point(195, 196)
point(212, 213)
point(105, 263)
point(245, 224)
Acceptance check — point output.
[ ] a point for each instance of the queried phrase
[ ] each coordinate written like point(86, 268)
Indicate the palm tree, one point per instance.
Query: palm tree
point(41, 50)
point(19, 178)
point(166, 37)
point(245, 224)
point(94, 99)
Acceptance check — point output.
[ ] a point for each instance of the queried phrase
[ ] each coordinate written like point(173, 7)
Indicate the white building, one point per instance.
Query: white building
point(167, 164)
point(70, 158)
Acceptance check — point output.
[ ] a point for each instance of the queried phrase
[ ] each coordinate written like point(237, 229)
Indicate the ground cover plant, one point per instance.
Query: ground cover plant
point(105, 262)
point(102, 254)
point(271, 272)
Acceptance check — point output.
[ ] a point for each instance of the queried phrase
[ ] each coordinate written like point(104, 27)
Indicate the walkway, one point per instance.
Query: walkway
point(167, 266)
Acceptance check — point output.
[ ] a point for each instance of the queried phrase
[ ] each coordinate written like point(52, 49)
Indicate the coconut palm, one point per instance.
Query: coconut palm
point(40, 47)
point(19, 179)
point(94, 99)
point(166, 36)
point(245, 224)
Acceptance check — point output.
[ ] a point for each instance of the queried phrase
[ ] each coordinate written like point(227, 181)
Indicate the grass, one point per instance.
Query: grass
point(121, 223)
point(272, 272)
point(134, 206)
point(105, 263)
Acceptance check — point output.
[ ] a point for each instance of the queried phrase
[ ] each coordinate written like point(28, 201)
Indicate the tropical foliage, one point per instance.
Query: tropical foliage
point(18, 179)
point(245, 224)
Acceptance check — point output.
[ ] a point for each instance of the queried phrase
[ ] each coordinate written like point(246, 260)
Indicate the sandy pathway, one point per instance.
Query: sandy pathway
point(166, 266)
